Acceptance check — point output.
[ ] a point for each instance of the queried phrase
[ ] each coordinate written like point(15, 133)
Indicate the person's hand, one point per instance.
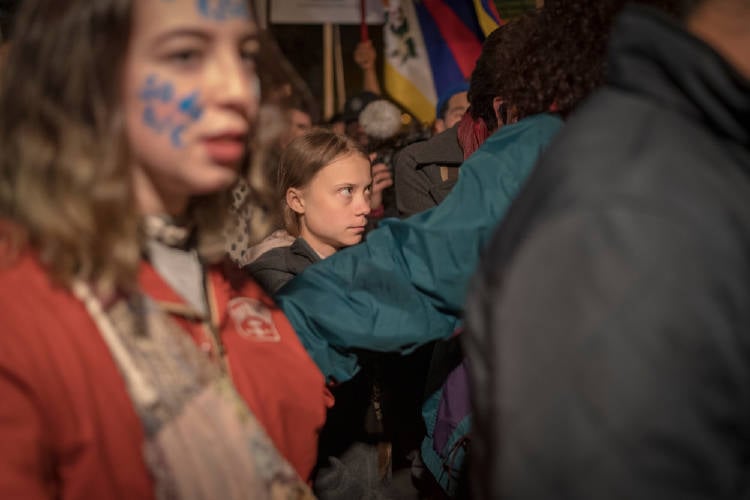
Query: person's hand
point(382, 178)
point(365, 55)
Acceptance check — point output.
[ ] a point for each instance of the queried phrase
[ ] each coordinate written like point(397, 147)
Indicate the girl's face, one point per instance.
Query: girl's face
point(190, 98)
point(333, 207)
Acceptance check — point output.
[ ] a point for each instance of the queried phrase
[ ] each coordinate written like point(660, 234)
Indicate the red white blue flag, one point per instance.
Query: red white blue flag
point(431, 46)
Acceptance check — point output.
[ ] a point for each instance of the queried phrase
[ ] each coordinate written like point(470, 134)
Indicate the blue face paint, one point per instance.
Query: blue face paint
point(165, 113)
point(155, 91)
point(189, 106)
point(175, 136)
point(222, 10)
point(150, 119)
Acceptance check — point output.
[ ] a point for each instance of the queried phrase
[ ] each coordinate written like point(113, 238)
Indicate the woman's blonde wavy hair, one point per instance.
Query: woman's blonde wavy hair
point(64, 167)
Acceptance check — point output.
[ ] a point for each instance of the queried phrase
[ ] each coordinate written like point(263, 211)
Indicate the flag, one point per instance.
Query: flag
point(431, 46)
point(489, 18)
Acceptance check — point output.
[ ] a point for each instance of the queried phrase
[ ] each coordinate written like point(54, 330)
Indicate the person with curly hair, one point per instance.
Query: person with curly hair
point(527, 67)
point(608, 324)
point(499, 63)
point(426, 171)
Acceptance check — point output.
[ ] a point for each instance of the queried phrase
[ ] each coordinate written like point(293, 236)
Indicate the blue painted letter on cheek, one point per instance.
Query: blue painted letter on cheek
point(163, 112)
point(155, 97)
point(221, 10)
point(190, 112)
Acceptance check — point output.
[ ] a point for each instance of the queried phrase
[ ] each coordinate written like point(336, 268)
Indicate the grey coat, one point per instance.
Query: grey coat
point(418, 183)
point(275, 268)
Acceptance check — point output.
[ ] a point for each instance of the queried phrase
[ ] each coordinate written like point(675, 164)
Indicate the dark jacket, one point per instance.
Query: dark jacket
point(609, 326)
point(419, 182)
point(275, 268)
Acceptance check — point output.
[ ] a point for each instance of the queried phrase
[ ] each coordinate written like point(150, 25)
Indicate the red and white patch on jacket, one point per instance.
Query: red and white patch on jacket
point(253, 320)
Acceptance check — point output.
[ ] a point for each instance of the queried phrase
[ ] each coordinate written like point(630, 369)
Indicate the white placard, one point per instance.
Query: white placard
point(325, 11)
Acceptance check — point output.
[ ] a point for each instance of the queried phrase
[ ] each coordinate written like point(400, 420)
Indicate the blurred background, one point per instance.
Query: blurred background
point(303, 45)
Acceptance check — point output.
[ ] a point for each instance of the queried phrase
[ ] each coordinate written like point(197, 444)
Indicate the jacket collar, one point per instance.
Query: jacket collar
point(303, 249)
point(652, 55)
point(441, 149)
point(169, 301)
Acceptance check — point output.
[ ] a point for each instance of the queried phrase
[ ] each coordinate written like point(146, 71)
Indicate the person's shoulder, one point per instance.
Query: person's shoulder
point(627, 143)
point(273, 269)
point(649, 163)
point(407, 158)
point(22, 274)
point(278, 238)
point(273, 259)
point(442, 148)
point(516, 145)
point(303, 248)
point(35, 310)
point(533, 130)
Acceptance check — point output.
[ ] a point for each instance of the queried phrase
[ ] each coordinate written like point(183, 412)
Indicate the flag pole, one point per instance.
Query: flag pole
point(338, 62)
point(328, 104)
point(363, 33)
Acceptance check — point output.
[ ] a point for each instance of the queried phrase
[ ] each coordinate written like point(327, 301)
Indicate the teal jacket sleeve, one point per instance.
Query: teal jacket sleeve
point(406, 284)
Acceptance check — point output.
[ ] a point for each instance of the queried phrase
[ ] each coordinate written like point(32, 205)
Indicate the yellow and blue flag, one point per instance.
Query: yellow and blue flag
point(431, 46)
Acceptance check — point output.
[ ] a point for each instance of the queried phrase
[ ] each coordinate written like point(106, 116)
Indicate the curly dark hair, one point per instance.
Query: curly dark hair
point(499, 57)
point(564, 57)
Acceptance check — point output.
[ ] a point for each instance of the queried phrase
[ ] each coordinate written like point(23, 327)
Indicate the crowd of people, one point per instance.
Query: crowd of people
point(206, 291)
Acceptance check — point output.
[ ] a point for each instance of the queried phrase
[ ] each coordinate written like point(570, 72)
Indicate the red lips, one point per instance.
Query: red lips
point(226, 149)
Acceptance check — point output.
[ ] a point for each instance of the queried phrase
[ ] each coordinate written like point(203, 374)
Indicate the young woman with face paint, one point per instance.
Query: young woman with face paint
point(324, 185)
point(131, 364)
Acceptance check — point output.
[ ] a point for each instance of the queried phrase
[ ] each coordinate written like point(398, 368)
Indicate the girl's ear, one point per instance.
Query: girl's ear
point(295, 200)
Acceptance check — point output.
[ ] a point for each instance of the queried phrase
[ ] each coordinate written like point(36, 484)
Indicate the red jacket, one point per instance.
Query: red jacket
point(67, 426)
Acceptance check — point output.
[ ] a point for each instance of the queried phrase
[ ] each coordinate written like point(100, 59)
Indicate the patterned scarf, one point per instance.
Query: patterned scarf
point(202, 442)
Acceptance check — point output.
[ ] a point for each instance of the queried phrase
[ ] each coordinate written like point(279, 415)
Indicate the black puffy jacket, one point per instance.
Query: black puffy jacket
point(609, 325)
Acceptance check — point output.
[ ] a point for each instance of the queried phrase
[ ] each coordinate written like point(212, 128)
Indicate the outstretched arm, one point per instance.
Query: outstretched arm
point(406, 284)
